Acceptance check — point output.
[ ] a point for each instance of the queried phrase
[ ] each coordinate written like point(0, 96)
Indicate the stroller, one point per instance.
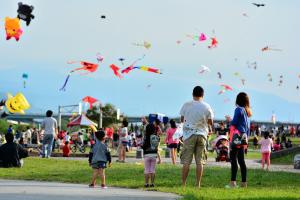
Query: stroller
point(221, 145)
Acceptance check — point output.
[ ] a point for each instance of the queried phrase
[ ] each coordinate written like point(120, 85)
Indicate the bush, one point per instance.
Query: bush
point(3, 126)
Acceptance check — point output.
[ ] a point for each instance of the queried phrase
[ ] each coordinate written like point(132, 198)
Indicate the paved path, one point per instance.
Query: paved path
point(33, 190)
point(251, 164)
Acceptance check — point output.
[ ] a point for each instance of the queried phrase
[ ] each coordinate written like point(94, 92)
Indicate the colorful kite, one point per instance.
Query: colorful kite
point(269, 48)
point(146, 44)
point(213, 43)
point(90, 100)
point(225, 88)
point(25, 77)
point(142, 67)
point(204, 69)
point(115, 70)
point(201, 37)
point(24, 13)
point(86, 66)
point(148, 69)
point(13, 28)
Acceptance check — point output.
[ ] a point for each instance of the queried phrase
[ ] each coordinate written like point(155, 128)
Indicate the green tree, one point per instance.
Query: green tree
point(109, 113)
point(3, 126)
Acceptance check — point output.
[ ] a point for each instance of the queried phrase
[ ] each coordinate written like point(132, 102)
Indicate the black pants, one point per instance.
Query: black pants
point(237, 155)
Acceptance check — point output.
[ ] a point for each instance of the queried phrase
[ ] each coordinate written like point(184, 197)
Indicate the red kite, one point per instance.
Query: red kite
point(90, 100)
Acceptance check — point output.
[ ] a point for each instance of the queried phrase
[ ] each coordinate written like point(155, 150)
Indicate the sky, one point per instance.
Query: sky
point(72, 30)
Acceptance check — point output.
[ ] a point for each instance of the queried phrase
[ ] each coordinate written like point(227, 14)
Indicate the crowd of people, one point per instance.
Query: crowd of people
point(190, 136)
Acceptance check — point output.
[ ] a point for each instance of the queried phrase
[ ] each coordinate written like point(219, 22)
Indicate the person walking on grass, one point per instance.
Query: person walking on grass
point(239, 132)
point(150, 147)
point(99, 158)
point(49, 125)
point(265, 148)
point(123, 143)
point(197, 118)
point(172, 144)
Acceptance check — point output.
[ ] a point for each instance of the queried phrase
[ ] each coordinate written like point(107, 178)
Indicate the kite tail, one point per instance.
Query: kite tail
point(63, 88)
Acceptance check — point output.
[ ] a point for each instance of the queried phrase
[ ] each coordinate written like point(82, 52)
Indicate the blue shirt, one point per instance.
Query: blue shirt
point(241, 120)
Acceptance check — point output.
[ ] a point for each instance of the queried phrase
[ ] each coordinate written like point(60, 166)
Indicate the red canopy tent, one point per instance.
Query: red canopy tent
point(81, 120)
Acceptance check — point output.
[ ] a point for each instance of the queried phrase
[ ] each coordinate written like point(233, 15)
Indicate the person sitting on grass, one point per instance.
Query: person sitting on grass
point(150, 147)
point(11, 153)
point(98, 159)
point(277, 146)
point(66, 149)
point(266, 146)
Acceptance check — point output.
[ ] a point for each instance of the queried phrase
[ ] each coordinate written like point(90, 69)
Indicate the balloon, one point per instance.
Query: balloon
point(24, 12)
point(13, 28)
point(16, 104)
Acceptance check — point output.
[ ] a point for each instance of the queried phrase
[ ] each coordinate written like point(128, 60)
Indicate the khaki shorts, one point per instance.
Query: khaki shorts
point(194, 146)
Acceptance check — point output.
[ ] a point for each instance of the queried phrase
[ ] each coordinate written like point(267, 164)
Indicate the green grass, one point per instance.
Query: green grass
point(262, 184)
point(285, 160)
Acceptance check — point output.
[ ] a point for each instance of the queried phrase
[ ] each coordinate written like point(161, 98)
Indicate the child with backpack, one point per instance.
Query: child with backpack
point(98, 159)
point(150, 147)
point(266, 146)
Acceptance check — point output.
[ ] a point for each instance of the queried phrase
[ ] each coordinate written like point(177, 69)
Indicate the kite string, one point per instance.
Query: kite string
point(137, 60)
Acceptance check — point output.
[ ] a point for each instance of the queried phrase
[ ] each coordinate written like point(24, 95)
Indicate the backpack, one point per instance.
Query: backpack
point(154, 142)
point(236, 138)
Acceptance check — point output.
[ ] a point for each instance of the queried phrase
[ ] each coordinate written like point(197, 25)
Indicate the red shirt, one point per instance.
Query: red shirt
point(109, 132)
point(66, 150)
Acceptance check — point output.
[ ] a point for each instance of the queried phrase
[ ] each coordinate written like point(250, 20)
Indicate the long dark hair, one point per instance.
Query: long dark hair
point(243, 100)
point(173, 123)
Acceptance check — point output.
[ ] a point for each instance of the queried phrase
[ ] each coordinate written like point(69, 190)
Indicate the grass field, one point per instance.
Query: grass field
point(262, 184)
point(285, 160)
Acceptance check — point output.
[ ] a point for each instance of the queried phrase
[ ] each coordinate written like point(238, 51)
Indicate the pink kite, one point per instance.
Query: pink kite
point(100, 58)
point(225, 88)
point(202, 37)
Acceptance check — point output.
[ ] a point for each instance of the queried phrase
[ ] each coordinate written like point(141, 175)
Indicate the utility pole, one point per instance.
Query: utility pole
point(100, 118)
point(59, 118)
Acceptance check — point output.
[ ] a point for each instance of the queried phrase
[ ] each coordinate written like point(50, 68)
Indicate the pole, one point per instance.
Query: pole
point(59, 118)
point(100, 118)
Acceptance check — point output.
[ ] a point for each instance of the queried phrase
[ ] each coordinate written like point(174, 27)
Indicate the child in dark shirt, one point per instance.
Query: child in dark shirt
point(98, 159)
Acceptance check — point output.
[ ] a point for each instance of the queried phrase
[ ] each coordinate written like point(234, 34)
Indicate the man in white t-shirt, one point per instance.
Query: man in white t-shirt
point(197, 118)
point(49, 125)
